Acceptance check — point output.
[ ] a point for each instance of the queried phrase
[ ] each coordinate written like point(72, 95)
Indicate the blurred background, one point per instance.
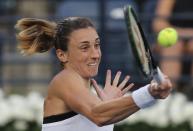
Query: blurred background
point(24, 79)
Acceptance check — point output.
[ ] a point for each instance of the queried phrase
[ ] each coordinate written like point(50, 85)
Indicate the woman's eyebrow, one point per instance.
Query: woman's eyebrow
point(85, 42)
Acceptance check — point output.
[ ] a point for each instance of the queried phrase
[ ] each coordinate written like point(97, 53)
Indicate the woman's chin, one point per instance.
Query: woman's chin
point(93, 73)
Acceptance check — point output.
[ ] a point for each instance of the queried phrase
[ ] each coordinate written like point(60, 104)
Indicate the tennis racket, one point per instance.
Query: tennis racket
point(140, 46)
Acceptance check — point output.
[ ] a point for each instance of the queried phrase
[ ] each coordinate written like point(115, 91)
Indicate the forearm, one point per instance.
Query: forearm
point(118, 109)
point(114, 110)
point(122, 116)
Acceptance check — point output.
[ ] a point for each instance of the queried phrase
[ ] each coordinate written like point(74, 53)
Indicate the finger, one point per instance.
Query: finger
point(123, 83)
point(126, 89)
point(108, 78)
point(154, 86)
point(96, 87)
point(166, 77)
point(169, 83)
point(166, 85)
point(116, 80)
point(153, 81)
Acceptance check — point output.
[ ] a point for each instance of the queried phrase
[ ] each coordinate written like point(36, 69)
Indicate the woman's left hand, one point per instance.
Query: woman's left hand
point(112, 90)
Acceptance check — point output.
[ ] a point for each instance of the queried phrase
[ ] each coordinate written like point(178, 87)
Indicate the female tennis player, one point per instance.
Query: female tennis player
point(70, 105)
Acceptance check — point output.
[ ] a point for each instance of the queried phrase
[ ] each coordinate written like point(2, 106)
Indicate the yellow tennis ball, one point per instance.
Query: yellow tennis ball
point(167, 37)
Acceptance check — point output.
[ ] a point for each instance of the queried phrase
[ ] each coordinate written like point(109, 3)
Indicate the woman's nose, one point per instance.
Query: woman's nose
point(95, 53)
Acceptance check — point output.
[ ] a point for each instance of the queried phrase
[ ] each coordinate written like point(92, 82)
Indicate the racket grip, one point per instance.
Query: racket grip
point(158, 76)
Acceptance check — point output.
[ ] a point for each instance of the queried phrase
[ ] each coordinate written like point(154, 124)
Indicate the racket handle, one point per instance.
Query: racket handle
point(158, 76)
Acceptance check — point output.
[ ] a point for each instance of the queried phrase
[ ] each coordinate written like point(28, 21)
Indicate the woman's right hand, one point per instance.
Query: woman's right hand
point(112, 89)
point(161, 91)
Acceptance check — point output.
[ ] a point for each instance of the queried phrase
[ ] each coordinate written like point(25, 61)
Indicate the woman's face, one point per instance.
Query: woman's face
point(84, 52)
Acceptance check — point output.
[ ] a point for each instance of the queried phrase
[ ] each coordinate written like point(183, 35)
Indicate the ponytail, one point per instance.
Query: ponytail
point(35, 35)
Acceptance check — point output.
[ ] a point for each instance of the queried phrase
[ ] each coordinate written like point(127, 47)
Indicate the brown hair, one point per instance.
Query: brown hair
point(37, 35)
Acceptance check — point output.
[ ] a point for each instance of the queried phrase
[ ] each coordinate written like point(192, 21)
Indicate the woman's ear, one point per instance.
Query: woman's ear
point(62, 56)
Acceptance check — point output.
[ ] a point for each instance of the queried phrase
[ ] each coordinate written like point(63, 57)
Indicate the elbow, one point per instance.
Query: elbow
point(99, 119)
point(100, 122)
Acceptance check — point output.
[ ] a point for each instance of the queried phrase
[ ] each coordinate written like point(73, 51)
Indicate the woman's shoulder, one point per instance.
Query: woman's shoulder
point(66, 75)
point(65, 81)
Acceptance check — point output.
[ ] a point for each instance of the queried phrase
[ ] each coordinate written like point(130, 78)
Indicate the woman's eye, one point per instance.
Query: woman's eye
point(84, 48)
point(97, 45)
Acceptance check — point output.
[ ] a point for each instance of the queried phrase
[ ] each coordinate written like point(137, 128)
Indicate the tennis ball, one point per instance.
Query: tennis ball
point(167, 37)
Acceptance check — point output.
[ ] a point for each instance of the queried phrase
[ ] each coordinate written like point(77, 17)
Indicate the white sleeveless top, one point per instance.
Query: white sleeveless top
point(74, 122)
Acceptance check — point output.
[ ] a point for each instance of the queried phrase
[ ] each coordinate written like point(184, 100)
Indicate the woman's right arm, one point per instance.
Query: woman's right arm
point(76, 95)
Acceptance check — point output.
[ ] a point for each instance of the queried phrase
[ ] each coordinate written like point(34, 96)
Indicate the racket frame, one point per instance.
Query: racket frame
point(154, 71)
